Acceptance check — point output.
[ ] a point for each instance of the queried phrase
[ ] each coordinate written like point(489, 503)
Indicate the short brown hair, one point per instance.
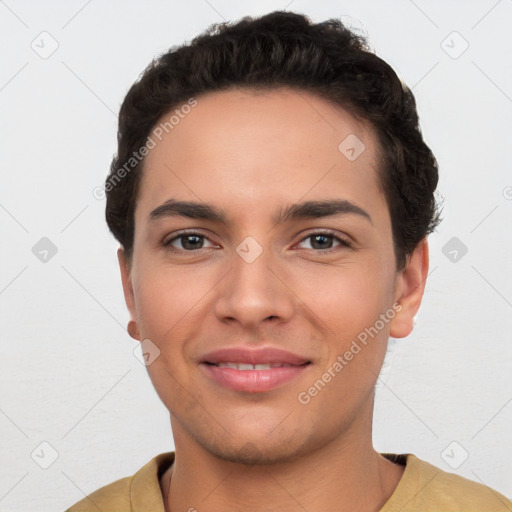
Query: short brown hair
point(285, 49)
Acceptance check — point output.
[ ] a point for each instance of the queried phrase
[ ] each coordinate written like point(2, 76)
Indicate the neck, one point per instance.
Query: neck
point(342, 476)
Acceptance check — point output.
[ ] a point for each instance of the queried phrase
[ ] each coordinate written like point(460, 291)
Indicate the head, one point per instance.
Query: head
point(271, 189)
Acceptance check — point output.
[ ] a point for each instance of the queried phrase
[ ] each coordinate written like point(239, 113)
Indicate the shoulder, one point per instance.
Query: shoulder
point(126, 494)
point(428, 488)
point(114, 496)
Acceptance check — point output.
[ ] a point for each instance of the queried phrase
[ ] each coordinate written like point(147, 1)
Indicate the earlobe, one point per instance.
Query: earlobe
point(410, 286)
point(129, 298)
point(133, 330)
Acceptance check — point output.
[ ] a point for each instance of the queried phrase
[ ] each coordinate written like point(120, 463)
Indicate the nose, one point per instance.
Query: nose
point(254, 292)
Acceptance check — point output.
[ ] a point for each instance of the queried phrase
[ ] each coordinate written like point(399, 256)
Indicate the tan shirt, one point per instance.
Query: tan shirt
point(422, 488)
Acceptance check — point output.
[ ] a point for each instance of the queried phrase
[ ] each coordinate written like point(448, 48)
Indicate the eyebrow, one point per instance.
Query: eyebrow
point(305, 210)
point(319, 209)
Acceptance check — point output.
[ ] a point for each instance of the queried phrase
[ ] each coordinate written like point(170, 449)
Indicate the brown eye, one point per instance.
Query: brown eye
point(324, 241)
point(188, 242)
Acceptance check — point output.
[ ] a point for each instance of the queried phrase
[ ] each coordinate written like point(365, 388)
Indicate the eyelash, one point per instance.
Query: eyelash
point(342, 242)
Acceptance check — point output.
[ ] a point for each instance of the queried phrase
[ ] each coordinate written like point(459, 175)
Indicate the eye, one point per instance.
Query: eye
point(323, 241)
point(188, 242)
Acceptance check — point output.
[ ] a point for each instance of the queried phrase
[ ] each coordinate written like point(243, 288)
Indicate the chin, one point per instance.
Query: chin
point(252, 454)
point(251, 449)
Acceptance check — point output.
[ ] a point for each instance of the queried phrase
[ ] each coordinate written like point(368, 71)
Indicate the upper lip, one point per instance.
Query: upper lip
point(253, 356)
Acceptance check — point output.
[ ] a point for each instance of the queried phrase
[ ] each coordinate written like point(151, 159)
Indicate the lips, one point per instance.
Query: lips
point(253, 371)
point(243, 355)
point(249, 366)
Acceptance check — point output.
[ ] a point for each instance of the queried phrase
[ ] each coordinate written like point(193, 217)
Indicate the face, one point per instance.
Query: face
point(288, 265)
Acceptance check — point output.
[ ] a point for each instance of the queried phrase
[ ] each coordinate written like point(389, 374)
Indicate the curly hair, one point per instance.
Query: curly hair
point(284, 49)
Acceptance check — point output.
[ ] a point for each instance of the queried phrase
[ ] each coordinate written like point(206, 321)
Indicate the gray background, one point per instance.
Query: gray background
point(69, 377)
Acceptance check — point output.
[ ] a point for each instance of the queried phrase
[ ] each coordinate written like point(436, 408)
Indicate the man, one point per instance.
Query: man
point(272, 195)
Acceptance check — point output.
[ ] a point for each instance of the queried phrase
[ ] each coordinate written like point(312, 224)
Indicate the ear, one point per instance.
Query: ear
point(125, 267)
point(410, 285)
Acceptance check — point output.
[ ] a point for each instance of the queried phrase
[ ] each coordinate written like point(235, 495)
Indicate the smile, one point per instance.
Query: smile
point(249, 366)
point(252, 378)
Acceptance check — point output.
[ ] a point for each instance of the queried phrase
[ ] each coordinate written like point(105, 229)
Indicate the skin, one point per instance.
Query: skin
point(250, 154)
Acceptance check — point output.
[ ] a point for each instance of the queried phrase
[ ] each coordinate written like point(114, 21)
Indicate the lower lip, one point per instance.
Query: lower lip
point(253, 381)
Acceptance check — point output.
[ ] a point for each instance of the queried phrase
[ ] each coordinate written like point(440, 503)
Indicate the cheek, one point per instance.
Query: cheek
point(170, 307)
point(351, 305)
point(168, 299)
point(350, 299)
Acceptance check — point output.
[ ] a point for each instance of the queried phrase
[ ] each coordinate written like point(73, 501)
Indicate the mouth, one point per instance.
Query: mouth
point(253, 371)
point(250, 366)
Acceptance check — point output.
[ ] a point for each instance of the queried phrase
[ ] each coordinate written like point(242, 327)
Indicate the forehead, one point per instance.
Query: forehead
point(245, 148)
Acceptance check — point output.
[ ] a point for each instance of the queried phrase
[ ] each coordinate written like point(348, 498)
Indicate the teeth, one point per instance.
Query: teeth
point(248, 366)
